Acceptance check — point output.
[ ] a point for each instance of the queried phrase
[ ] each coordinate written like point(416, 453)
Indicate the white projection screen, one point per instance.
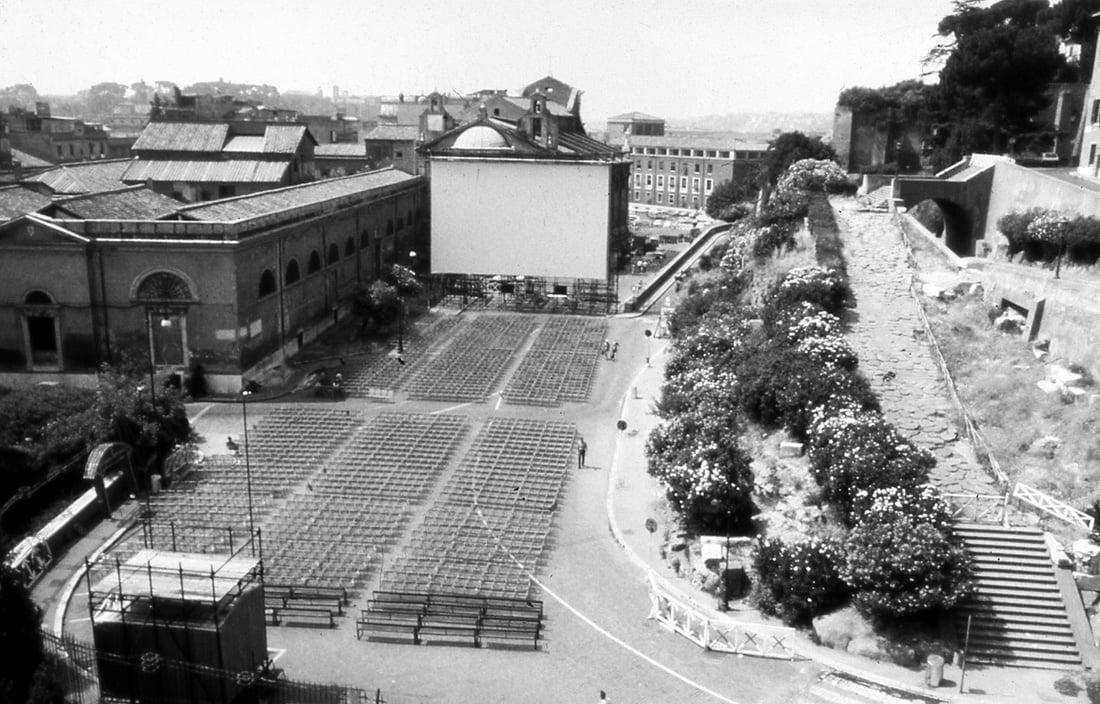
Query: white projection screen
point(513, 217)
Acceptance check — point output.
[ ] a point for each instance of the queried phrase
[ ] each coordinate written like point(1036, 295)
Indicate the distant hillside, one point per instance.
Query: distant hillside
point(817, 123)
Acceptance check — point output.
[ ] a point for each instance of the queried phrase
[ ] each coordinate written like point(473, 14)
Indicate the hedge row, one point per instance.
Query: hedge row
point(1041, 235)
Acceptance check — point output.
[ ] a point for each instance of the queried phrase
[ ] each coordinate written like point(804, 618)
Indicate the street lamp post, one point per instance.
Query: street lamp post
point(401, 299)
point(245, 393)
point(152, 363)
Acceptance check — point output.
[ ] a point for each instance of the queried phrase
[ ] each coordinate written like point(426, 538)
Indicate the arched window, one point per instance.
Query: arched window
point(333, 253)
point(349, 247)
point(163, 286)
point(267, 283)
point(364, 238)
point(389, 227)
point(38, 298)
point(292, 273)
point(314, 262)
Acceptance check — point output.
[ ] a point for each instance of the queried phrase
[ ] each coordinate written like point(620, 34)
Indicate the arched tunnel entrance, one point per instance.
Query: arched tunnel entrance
point(948, 221)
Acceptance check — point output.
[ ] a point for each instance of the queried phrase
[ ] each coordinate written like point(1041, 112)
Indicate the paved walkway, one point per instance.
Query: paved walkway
point(886, 331)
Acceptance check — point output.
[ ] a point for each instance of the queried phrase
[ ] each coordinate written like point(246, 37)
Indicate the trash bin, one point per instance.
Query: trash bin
point(934, 670)
point(154, 483)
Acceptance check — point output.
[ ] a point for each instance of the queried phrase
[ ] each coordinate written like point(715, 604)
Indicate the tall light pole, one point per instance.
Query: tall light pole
point(401, 300)
point(245, 393)
point(152, 363)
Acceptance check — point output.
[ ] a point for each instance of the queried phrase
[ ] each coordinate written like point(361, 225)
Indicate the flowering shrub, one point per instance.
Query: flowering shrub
point(826, 288)
point(797, 581)
point(920, 504)
point(853, 453)
point(782, 386)
point(772, 238)
point(813, 175)
point(707, 477)
point(734, 258)
point(800, 321)
point(831, 351)
point(904, 568)
point(1049, 226)
point(785, 207)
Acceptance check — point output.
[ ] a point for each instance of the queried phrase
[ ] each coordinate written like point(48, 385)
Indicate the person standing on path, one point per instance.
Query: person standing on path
point(614, 351)
point(607, 349)
point(582, 450)
point(603, 698)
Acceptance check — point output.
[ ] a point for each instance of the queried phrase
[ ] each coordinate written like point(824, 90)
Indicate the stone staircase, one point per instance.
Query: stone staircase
point(1017, 613)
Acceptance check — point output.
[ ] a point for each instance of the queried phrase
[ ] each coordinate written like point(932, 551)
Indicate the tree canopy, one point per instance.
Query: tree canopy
point(790, 147)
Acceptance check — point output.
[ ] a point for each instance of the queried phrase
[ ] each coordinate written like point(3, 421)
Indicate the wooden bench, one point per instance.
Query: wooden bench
point(290, 602)
point(294, 614)
point(337, 594)
point(450, 627)
point(395, 607)
point(388, 622)
point(510, 629)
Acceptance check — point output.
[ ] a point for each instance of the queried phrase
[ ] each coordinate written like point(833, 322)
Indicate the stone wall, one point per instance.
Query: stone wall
point(1065, 311)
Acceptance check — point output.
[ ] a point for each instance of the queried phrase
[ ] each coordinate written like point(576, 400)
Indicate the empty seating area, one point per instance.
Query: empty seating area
point(560, 365)
point(330, 541)
point(289, 443)
point(498, 505)
point(395, 456)
point(469, 367)
point(385, 372)
point(514, 462)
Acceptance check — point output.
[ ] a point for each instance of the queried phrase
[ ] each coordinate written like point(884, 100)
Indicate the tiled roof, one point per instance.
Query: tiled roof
point(87, 177)
point(269, 202)
point(16, 201)
point(182, 137)
point(137, 203)
point(29, 161)
point(586, 146)
point(200, 171)
point(635, 117)
point(344, 149)
point(394, 133)
point(283, 139)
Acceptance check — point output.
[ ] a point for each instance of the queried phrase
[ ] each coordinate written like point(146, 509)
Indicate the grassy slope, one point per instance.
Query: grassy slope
point(996, 376)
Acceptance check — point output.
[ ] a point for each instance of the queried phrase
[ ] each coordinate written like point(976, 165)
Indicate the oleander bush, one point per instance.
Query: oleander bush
point(853, 453)
point(826, 288)
point(903, 569)
point(796, 581)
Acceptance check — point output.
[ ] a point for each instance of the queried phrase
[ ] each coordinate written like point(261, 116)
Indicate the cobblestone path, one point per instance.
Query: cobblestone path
point(886, 332)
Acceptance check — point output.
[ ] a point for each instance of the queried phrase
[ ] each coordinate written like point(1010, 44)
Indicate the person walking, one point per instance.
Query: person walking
point(603, 698)
point(582, 450)
point(607, 349)
point(614, 350)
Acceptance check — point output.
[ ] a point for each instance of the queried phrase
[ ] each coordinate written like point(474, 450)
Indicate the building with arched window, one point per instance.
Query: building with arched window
point(233, 285)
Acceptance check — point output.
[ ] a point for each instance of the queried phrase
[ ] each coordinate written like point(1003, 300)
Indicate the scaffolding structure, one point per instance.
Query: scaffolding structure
point(203, 609)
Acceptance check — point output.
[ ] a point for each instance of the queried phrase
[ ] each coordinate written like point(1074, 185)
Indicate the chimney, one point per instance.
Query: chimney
point(42, 109)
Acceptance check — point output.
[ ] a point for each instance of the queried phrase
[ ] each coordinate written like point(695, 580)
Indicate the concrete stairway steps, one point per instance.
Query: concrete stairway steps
point(1019, 571)
point(1017, 615)
point(1011, 591)
point(1006, 553)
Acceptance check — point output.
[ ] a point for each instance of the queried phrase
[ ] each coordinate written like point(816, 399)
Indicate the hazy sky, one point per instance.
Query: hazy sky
point(671, 58)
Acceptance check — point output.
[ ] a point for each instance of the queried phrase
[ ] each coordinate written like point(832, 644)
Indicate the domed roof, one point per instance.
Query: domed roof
point(480, 137)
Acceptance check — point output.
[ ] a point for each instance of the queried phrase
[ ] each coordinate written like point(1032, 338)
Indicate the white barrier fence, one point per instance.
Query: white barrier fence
point(720, 635)
point(1052, 506)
